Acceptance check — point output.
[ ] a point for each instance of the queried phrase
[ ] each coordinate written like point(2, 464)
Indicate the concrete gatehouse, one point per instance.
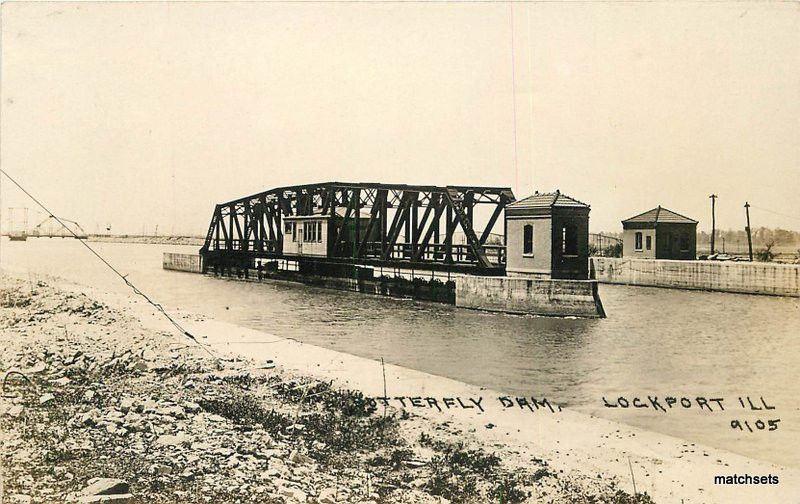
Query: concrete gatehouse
point(547, 251)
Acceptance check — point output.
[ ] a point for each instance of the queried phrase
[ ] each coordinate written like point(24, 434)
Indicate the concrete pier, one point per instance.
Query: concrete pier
point(724, 276)
point(520, 295)
point(182, 262)
point(578, 298)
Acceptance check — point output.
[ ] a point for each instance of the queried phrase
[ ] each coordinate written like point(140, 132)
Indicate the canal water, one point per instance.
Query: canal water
point(655, 342)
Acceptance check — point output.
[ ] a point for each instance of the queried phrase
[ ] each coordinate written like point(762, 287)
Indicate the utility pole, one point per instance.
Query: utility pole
point(749, 237)
point(713, 221)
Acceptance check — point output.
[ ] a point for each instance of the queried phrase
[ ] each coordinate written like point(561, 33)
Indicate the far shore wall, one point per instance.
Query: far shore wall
point(725, 276)
point(536, 296)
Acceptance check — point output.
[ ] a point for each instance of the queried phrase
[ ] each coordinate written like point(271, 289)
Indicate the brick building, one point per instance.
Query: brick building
point(659, 234)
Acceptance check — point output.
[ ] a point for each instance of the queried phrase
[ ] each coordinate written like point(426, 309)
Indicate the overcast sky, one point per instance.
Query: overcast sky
point(130, 114)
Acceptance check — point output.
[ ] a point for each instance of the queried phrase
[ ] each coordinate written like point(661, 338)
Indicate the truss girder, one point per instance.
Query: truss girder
point(391, 224)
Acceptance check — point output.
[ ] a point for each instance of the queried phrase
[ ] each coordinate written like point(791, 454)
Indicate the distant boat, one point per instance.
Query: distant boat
point(17, 235)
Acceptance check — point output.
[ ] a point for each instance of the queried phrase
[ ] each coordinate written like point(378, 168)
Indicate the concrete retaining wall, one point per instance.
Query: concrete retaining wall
point(182, 262)
point(743, 277)
point(577, 298)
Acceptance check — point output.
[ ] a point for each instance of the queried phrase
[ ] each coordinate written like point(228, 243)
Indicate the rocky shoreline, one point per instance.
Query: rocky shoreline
point(96, 407)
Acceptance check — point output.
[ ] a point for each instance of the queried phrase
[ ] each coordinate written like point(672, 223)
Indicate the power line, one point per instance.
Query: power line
point(514, 96)
point(124, 278)
point(795, 217)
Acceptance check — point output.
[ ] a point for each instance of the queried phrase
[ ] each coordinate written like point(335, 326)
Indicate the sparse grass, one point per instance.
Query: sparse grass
point(458, 474)
point(332, 437)
point(508, 490)
point(347, 402)
point(621, 497)
point(443, 482)
point(15, 298)
point(540, 473)
point(245, 409)
point(339, 424)
point(476, 461)
point(395, 460)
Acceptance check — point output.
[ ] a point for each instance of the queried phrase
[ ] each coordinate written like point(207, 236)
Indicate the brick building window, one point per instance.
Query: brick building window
point(527, 240)
point(684, 242)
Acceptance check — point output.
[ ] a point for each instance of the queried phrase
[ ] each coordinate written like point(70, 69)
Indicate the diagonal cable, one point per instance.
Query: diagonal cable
point(124, 278)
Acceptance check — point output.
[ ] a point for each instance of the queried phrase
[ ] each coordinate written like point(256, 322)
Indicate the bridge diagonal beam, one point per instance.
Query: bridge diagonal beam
point(400, 216)
point(377, 213)
point(234, 218)
point(439, 207)
point(286, 205)
point(492, 221)
point(464, 221)
point(212, 226)
point(337, 240)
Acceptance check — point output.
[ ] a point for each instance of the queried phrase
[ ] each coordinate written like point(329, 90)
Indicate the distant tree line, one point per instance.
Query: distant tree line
point(762, 236)
point(768, 244)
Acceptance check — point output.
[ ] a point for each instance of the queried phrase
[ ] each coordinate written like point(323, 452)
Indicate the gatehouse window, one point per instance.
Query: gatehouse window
point(637, 241)
point(569, 240)
point(649, 242)
point(527, 242)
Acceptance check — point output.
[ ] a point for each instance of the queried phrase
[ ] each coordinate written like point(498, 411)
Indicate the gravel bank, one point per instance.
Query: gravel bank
point(99, 407)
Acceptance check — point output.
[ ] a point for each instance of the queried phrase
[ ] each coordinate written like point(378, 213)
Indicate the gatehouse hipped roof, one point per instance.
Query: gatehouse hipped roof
point(547, 200)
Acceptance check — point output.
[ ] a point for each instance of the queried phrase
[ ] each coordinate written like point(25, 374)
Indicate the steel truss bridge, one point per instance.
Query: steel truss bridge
point(407, 226)
point(52, 228)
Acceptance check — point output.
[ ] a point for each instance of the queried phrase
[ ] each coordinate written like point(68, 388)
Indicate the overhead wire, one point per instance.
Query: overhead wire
point(514, 94)
point(796, 217)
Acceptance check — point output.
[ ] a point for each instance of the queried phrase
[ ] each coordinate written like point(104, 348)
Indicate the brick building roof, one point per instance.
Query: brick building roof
point(660, 215)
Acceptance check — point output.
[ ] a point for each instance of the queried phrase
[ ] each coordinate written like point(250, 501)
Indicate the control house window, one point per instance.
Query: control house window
point(527, 240)
point(637, 242)
point(309, 231)
point(649, 242)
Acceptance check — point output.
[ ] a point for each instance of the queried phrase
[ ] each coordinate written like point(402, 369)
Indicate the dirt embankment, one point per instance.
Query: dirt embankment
point(95, 408)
